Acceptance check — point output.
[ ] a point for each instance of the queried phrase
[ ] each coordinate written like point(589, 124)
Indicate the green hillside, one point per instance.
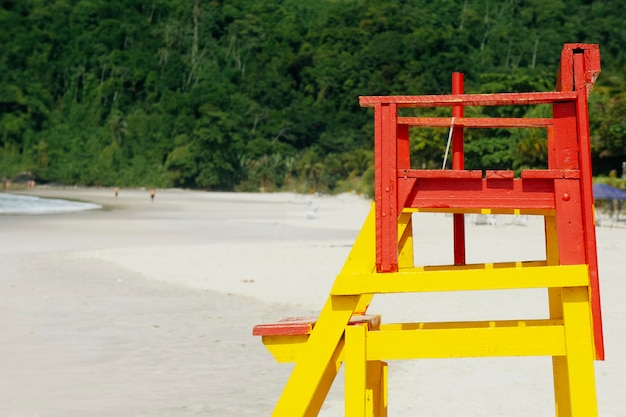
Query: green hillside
point(257, 94)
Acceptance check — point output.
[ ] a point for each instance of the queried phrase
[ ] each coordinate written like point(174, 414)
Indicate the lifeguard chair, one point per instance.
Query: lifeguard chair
point(382, 260)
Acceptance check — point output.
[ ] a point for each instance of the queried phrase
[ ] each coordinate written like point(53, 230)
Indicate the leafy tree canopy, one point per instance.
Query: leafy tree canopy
point(251, 94)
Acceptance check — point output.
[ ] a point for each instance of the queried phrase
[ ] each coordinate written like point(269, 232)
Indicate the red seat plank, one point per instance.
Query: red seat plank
point(296, 326)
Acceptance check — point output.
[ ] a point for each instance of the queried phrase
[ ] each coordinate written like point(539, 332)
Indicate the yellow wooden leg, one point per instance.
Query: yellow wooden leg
point(579, 352)
point(355, 360)
point(377, 387)
point(559, 363)
point(561, 387)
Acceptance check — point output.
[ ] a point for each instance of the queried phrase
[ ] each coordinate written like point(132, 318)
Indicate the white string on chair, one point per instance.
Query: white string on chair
point(445, 156)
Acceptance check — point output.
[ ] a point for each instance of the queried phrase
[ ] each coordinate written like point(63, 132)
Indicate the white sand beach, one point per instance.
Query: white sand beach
point(146, 308)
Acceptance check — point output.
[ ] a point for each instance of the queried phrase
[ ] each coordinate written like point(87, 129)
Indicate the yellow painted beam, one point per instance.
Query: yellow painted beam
point(498, 265)
point(491, 324)
point(377, 378)
point(457, 279)
point(328, 377)
point(465, 343)
point(288, 348)
point(580, 353)
point(356, 372)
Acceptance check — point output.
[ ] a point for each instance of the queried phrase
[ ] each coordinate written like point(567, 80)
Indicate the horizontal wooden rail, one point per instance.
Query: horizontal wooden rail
point(441, 173)
point(478, 277)
point(497, 192)
point(482, 122)
point(497, 335)
point(500, 99)
point(477, 173)
point(294, 326)
point(490, 324)
point(539, 340)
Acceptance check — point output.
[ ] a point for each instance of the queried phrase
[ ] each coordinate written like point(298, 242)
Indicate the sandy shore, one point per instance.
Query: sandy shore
point(146, 309)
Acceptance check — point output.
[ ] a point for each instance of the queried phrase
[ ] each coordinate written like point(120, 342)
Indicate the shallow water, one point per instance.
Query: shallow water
point(22, 204)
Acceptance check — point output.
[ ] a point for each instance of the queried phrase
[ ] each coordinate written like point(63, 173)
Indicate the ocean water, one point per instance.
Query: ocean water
point(21, 204)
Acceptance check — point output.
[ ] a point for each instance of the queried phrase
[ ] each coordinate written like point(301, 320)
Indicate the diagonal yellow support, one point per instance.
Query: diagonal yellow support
point(316, 366)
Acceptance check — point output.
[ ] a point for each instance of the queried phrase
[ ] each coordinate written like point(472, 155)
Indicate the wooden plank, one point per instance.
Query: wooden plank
point(579, 344)
point(499, 174)
point(292, 326)
point(551, 173)
point(355, 359)
point(466, 342)
point(581, 68)
point(386, 189)
point(451, 193)
point(462, 279)
point(458, 162)
point(476, 122)
point(482, 210)
point(440, 173)
point(287, 348)
point(289, 326)
point(490, 324)
point(565, 136)
point(498, 99)
point(477, 173)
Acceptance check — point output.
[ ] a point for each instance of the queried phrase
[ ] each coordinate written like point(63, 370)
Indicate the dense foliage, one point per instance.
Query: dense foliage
point(257, 94)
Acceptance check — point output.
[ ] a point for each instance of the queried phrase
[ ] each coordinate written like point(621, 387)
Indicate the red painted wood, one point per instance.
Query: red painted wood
point(565, 136)
point(404, 147)
point(565, 79)
point(499, 174)
point(458, 163)
point(378, 180)
point(297, 326)
point(458, 159)
point(476, 122)
point(569, 222)
point(580, 72)
point(290, 326)
point(499, 99)
point(590, 68)
point(386, 188)
point(460, 193)
point(550, 173)
point(438, 173)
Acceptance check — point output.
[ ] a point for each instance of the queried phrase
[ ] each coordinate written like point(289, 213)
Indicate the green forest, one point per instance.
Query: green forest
point(251, 95)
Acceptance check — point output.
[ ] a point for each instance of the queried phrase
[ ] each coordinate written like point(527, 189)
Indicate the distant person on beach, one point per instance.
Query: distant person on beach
point(117, 191)
point(152, 194)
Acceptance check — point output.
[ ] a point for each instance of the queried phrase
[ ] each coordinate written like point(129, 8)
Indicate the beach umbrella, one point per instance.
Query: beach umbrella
point(606, 192)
